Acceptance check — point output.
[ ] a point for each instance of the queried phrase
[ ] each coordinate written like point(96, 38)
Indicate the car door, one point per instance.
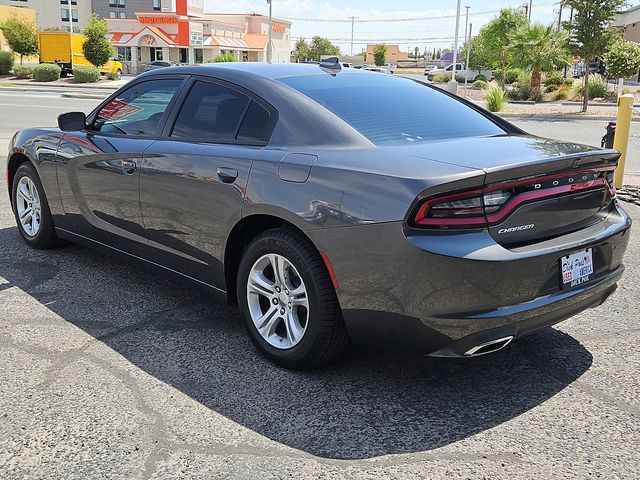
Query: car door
point(98, 168)
point(193, 179)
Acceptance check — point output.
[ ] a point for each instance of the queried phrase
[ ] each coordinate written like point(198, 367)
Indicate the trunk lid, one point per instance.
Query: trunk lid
point(534, 188)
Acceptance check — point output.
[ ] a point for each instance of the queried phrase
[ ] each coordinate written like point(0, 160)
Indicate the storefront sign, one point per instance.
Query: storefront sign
point(278, 27)
point(196, 37)
point(158, 19)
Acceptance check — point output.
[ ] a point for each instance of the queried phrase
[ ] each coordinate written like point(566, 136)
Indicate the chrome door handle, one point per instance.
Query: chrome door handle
point(128, 166)
point(227, 175)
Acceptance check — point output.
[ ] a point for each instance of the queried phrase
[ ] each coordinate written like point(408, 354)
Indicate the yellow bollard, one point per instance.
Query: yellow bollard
point(621, 137)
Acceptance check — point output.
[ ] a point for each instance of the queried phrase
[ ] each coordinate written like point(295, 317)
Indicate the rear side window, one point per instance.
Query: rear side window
point(389, 110)
point(137, 110)
point(214, 113)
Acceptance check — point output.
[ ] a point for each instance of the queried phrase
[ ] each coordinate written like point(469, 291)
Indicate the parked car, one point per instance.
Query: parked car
point(157, 64)
point(384, 70)
point(390, 66)
point(331, 204)
point(346, 65)
point(472, 75)
point(428, 68)
point(594, 67)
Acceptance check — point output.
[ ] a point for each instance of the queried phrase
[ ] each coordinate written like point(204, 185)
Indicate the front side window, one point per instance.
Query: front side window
point(390, 110)
point(138, 109)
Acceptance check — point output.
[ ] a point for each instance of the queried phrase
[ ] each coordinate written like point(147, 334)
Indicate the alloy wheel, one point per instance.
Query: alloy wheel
point(28, 206)
point(278, 301)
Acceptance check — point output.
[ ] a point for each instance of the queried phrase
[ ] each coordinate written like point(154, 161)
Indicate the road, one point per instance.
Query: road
point(111, 372)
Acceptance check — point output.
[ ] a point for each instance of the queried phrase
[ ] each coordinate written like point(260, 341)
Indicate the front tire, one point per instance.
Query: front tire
point(287, 301)
point(31, 209)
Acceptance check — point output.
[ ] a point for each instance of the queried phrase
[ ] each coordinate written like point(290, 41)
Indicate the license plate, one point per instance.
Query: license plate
point(576, 268)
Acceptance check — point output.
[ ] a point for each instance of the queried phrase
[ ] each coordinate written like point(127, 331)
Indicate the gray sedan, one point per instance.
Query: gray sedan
point(331, 205)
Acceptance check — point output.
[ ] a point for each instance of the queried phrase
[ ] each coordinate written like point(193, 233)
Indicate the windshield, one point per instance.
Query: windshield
point(391, 110)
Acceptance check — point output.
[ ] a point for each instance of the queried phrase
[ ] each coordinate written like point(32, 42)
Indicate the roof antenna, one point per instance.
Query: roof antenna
point(331, 63)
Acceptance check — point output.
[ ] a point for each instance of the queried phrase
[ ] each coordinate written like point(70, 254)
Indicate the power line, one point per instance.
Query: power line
point(392, 20)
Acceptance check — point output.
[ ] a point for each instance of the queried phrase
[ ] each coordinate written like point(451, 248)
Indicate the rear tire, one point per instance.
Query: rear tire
point(31, 209)
point(287, 301)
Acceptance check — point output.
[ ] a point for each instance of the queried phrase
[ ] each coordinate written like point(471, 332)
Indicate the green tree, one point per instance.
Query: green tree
point(540, 49)
point(21, 36)
point(590, 34)
point(321, 46)
point(416, 53)
point(96, 47)
point(622, 60)
point(479, 56)
point(379, 55)
point(495, 38)
point(302, 50)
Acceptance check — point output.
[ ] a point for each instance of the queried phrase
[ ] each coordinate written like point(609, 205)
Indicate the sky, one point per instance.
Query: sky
point(331, 19)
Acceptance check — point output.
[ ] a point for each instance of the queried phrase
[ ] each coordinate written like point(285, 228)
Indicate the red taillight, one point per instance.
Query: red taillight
point(492, 204)
point(460, 210)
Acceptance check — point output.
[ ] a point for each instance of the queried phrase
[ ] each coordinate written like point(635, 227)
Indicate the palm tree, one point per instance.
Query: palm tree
point(540, 49)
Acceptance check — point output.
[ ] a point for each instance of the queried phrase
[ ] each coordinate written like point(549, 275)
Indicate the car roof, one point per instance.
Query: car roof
point(267, 70)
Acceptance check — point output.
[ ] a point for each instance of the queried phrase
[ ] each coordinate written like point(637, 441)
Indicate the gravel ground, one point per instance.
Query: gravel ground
point(111, 372)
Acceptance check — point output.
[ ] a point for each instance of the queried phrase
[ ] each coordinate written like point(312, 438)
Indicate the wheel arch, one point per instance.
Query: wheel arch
point(15, 160)
point(240, 236)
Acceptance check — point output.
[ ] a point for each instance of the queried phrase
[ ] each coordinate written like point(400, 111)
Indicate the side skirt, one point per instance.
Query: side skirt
point(219, 294)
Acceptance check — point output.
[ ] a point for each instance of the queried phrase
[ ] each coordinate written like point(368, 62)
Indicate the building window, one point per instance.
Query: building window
point(124, 54)
point(116, 3)
point(184, 55)
point(156, 5)
point(117, 15)
point(199, 55)
point(66, 2)
point(64, 14)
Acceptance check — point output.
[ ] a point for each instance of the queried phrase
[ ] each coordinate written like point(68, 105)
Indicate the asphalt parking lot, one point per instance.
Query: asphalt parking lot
point(109, 371)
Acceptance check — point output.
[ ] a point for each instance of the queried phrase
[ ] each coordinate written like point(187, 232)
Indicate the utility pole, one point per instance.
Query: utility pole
point(466, 68)
point(466, 34)
point(70, 16)
point(453, 84)
point(270, 43)
point(529, 10)
point(353, 21)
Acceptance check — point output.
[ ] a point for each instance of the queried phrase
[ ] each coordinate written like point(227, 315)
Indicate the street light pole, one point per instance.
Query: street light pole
point(466, 27)
point(270, 43)
point(70, 16)
point(453, 84)
point(466, 68)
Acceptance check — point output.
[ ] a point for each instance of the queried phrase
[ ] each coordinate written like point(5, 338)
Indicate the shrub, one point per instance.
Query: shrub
point(479, 77)
point(495, 96)
point(555, 79)
point(563, 93)
point(223, 57)
point(568, 81)
point(23, 72)
point(479, 84)
point(512, 75)
point(597, 87)
point(522, 89)
point(46, 72)
point(498, 76)
point(551, 88)
point(6, 62)
point(114, 75)
point(82, 74)
point(445, 77)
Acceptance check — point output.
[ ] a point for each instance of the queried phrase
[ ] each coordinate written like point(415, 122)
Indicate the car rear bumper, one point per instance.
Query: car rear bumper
point(446, 293)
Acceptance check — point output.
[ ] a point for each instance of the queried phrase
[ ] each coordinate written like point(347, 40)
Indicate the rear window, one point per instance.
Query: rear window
point(391, 110)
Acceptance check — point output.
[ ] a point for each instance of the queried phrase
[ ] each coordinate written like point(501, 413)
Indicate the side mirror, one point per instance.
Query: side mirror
point(72, 121)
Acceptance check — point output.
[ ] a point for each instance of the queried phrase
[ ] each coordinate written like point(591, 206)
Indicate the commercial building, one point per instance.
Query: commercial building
point(629, 22)
point(188, 35)
point(7, 12)
point(394, 54)
point(56, 14)
point(128, 8)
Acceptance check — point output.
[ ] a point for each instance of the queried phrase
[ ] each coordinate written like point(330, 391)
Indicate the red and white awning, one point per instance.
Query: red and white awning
point(226, 42)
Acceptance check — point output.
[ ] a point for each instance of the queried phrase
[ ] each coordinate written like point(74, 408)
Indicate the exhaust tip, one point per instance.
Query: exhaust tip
point(489, 347)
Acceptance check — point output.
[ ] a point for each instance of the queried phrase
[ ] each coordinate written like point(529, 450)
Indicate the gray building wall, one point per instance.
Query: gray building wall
point(126, 8)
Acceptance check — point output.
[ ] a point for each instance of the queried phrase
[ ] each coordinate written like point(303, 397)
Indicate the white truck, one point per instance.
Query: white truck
point(472, 75)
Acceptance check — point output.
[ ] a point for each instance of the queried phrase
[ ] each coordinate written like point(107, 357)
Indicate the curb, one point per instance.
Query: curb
point(85, 96)
point(560, 116)
point(608, 104)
